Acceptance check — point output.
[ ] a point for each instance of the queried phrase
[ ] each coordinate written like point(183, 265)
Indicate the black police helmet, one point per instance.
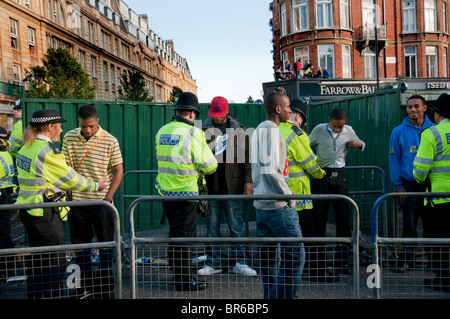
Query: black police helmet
point(46, 116)
point(187, 101)
point(299, 106)
point(442, 105)
point(3, 132)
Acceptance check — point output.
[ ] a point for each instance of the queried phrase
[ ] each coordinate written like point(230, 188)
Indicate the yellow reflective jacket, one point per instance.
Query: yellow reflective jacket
point(182, 155)
point(7, 170)
point(302, 162)
point(16, 138)
point(433, 159)
point(42, 170)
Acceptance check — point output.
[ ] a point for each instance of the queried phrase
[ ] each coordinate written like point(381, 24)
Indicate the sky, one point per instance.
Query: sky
point(226, 44)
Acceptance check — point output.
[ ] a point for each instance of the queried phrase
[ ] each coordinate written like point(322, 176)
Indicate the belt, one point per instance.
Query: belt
point(334, 172)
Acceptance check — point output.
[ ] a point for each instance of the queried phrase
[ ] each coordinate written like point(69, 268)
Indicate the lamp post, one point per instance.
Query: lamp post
point(376, 48)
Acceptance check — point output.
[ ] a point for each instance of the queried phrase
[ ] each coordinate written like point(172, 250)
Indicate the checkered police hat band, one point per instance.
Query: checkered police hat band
point(39, 120)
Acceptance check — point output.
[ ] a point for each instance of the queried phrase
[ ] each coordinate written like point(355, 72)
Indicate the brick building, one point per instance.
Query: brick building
point(411, 42)
point(106, 36)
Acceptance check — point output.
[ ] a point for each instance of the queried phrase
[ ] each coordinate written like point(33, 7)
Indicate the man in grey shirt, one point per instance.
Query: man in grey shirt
point(276, 218)
point(333, 141)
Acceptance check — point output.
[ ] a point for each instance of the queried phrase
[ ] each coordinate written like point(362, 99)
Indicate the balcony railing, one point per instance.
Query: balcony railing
point(367, 32)
point(10, 88)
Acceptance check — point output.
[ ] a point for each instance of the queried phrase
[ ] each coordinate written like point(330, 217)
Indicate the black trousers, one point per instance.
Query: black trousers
point(334, 182)
point(6, 263)
point(183, 219)
point(84, 222)
point(44, 271)
point(437, 226)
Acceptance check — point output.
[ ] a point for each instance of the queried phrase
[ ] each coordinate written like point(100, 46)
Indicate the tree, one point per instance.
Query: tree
point(133, 87)
point(60, 77)
point(176, 91)
point(250, 99)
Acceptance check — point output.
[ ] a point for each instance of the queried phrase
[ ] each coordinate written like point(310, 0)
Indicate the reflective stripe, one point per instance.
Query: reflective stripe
point(296, 174)
point(27, 193)
point(438, 139)
point(68, 178)
point(290, 139)
point(178, 171)
point(207, 163)
point(32, 182)
point(420, 172)
point(440, 170)
point(442, 158)
point(173, 159)
point(168, 193)
point(15, 140)
point(40, 160)
point(422, 160)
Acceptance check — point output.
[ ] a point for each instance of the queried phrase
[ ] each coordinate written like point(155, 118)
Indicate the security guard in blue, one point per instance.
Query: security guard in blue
point(183, 158)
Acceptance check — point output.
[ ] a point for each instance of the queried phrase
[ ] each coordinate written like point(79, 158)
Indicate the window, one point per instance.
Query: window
point(432, 70)
point(83, 59)
point(370, 62)
point(344, 14)
point(302, 53)
point(14, 34)
point(105, 71)
point(411, 62)
point(346, 61)
point(113, 75)
point(409, 16)
point(283, 19)
point(27, 4)
point(300, 8)
point(324, 14)
point(326, 57)
point(93, 66)
point(430, 15)
point(16, 73)
point(31, 41)
point(444, 17)
point(91, 31)
point(445, 63)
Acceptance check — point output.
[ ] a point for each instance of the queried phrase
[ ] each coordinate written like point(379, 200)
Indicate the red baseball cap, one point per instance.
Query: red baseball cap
point(218, 107)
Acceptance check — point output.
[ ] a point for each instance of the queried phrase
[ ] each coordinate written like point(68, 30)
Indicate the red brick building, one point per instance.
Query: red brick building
point(412, 37)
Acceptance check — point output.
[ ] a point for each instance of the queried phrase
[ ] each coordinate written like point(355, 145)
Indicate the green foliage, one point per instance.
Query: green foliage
point(61, 77)
point(176, 91)
point(250, 99)
point(133, 87)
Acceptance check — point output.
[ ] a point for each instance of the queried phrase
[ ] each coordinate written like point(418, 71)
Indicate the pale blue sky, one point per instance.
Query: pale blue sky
point(227, 44)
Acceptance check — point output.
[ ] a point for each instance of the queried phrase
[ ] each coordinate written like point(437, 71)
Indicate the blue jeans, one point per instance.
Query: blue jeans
point(281, 271)
point(233, 213)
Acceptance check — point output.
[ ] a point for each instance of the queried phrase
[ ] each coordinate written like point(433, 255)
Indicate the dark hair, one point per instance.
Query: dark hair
point(417, 96)
point(87, 111)
point(272, 100)
point(338, 114)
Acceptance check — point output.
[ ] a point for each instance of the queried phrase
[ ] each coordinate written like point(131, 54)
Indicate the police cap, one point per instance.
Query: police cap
point(299, 106)
point(3, 132)
point(46, 116)
point(187, 101)
point(442, 105)
point(18, 105)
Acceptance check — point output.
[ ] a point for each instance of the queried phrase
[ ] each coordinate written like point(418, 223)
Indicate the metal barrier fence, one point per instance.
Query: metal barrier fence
point(150, 272)
point(55, 272)
point(391, 279)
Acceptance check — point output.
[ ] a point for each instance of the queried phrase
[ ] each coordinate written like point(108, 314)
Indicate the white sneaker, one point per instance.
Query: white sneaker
point(208, 270)
point(243, 270)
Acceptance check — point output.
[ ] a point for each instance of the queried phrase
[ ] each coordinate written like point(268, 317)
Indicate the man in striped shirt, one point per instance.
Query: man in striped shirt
point(94, 153)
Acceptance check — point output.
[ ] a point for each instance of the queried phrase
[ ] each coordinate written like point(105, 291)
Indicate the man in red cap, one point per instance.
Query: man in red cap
point(229, 141)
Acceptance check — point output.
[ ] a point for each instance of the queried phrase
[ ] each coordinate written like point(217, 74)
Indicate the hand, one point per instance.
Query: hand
point(402, 199)
point(101, 185)
point(354, 144)
point(248, 189)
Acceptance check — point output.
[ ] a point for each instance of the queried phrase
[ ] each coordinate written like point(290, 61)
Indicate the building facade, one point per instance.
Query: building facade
point(411, 40)
point(106, 36)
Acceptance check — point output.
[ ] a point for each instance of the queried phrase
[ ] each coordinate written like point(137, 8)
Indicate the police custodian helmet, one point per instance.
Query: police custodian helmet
point(442, 105)
point(299, 106)
point(46, 116)
point(187, 101)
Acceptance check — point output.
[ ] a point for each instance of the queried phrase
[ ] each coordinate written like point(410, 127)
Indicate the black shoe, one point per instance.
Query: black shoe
point(192, 286)
point(436, 284)
point(402, 268)
point(328, 276)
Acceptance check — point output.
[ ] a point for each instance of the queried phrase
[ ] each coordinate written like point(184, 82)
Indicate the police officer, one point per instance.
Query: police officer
point(17, 132)
point(43, 175)
point(432, 163)
point(302, 166)
point(7, 187)
point(183, 156)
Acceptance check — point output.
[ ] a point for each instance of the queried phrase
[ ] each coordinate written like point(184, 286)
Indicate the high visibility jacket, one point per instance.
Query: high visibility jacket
point(302, 162)
point(16, 138)
point(7, 170)
point(182, 155)
point(42, 170)
point(433, 159)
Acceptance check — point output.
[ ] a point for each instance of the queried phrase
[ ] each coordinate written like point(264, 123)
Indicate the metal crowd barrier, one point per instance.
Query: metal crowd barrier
point(65, 275)
point(389, 279)
point(150, 274)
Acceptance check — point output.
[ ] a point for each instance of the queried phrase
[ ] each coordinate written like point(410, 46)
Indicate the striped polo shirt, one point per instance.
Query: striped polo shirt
point(97, 164)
